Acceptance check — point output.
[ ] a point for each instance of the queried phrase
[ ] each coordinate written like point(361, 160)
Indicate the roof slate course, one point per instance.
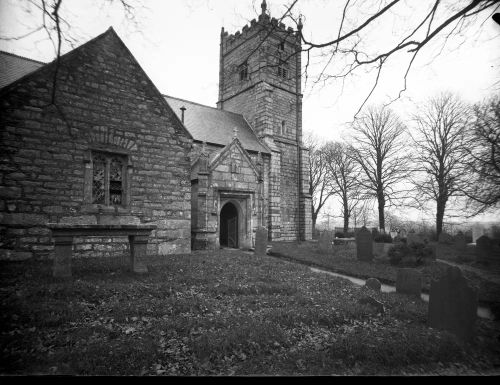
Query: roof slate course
point(13, 67)
point(212, 125)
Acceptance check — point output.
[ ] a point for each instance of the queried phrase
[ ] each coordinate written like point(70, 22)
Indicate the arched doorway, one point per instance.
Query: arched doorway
point(228, 235)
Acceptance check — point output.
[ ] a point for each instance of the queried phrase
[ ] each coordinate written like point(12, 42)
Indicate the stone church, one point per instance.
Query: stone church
point(90, 139)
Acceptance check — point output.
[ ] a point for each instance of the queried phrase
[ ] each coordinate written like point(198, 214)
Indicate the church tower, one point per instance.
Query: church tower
point(260, 78)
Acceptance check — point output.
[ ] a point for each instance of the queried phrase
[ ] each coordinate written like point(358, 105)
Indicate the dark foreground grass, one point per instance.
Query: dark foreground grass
point(343, 260)
point(222, 313)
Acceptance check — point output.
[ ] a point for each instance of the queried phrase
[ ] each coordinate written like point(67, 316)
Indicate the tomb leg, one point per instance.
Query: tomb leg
point(62, 256)
point(138, 248)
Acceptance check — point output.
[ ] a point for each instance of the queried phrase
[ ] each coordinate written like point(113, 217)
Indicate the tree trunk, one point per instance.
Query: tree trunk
point(381, 216)
point(441, 205)
point(313, 217)
point(346, 215)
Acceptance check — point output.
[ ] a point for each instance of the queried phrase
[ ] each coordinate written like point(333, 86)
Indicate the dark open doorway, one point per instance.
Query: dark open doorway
point(229, 226)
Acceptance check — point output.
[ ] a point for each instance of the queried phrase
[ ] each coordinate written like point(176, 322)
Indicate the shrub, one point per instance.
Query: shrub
point(397, 252)
point(382, 238)
point(415, 254)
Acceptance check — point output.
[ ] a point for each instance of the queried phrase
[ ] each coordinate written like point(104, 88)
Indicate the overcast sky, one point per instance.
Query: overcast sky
point(177, 44)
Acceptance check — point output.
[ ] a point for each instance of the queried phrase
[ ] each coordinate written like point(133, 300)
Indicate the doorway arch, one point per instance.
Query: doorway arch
point(228, 220)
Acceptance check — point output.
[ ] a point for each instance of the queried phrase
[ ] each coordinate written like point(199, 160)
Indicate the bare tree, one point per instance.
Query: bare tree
point(343, 174)
point(441, 160)
point(53, 21)
point(319, 188)
point(378, 141)
point(484, 152)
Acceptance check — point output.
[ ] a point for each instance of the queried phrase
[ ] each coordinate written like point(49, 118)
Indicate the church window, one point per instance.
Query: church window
point(281, 46)
point(108, 179)
point(283, 127)
point(244, 71)
point(283, 69)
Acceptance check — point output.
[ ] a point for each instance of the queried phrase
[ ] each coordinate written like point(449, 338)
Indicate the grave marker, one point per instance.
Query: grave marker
point(453, 304)
point(261, 241)
point(409, 281)
point(364, 245)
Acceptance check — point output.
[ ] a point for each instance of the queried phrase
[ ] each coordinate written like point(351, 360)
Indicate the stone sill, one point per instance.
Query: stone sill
point(106, 210)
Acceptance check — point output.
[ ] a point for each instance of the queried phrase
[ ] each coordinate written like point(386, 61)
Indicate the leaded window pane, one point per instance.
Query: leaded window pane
point(115, 181)
point(98, 182)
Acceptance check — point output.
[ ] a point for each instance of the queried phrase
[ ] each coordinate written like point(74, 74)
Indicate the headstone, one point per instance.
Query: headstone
point(373, 283)
point(364, 245)
point(261, 241)
point(477, 231)
point(413, 238)
point(453, 304)
point(402, 233)
point(445, 238)
point(367, 300)
point(484, 249)
point(409, 281)
point(325, 242)
point(459, 242)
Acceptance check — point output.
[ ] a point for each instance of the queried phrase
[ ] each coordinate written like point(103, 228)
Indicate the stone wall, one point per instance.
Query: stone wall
point(272, 104)
point(231, 175)
point(103, 101)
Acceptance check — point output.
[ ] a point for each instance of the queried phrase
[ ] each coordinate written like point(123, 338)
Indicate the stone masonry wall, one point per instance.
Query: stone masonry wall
point(104, 101)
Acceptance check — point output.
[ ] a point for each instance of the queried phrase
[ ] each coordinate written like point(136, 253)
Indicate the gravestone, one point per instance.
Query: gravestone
point(409, 281)
point(445, 238)
point(453, 304)
point(373, 283)
point(261, 241)
point(402, 233)
point(484, 249)
point(364, 245)
point(459, 242)
point(325, 242)
point(477, 231)
point(367, 300)
point(413, 238)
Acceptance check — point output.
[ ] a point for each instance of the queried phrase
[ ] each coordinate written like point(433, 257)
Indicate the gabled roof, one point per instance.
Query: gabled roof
point(235, 142)
point(211, 125)
point(110, 32)
point(15, 67)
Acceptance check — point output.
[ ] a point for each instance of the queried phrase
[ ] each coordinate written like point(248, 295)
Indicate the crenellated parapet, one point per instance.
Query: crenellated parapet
point(264, 23)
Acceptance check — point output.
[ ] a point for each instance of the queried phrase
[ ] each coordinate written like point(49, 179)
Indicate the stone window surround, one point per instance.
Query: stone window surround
point(88, 206)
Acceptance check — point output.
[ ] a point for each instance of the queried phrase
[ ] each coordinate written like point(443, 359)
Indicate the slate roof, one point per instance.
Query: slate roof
point(13, 67)
point(212, 125)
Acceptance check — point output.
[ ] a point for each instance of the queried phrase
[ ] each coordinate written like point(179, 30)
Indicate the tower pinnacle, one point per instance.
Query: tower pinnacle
point(263, 6)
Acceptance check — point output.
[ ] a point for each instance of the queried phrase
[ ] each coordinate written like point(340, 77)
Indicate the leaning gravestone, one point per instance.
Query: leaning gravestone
point(325, 242)
point(453, 304)
point(261, 241)
point(364, 245)
point(409, 281)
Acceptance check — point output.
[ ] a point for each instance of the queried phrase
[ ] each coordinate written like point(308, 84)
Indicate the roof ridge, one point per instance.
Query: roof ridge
point(22, 57)
point(201, 105)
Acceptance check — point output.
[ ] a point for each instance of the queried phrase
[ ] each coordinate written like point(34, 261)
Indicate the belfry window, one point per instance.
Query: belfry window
point(281, 46)
point(108, 179)
point(244, 71)
point(283, 69)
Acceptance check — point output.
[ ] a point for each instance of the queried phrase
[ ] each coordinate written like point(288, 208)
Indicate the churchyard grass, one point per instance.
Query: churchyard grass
point(220, 313)
point(343, 260)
